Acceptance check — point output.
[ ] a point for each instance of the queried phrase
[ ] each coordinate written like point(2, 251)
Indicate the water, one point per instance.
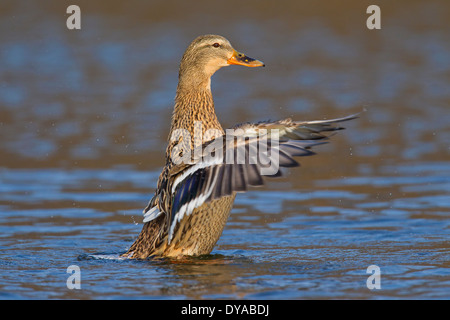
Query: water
point(84, 118)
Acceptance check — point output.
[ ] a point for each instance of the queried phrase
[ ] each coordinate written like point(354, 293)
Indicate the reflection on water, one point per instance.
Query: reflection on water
point(84, 119)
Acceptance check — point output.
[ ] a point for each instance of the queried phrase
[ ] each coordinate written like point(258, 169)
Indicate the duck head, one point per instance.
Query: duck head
point(207, 54)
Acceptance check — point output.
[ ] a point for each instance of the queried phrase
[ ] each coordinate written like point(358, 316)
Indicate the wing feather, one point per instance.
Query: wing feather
point(211, 177)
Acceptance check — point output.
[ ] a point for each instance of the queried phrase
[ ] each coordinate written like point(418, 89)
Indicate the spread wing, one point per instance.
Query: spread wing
point(240, 159)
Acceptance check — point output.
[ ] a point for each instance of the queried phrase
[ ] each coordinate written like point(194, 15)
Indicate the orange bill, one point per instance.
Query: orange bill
point(242, 60)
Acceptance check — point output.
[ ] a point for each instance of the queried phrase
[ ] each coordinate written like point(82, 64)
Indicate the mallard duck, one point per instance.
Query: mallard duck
point(199, 182)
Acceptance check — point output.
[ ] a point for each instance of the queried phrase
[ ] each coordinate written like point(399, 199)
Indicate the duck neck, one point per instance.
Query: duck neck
point(194, 108)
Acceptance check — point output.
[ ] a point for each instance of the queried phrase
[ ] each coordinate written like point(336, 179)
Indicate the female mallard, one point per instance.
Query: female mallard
point(206, 167)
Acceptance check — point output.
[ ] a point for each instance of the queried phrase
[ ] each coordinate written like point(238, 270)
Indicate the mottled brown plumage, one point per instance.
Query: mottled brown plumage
point(193, 102)
point(192, 202)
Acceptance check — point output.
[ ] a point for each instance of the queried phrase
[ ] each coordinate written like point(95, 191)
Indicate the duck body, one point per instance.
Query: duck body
point(195, 191)
point(199, 231)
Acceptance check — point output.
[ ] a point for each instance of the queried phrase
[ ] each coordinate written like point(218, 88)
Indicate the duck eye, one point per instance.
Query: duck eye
point(216, 45)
